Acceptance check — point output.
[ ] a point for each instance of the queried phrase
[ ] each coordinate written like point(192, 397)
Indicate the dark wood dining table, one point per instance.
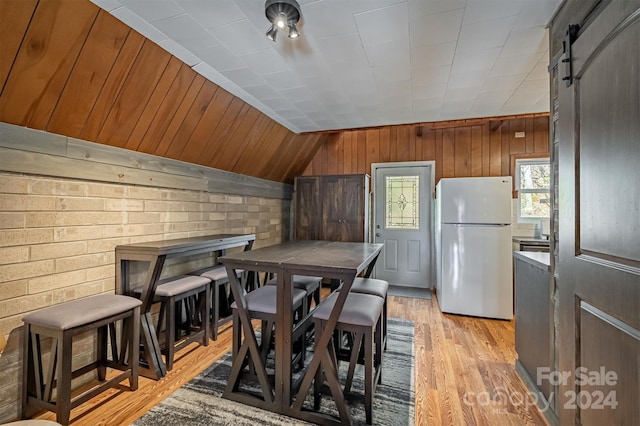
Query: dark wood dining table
point(154, 254)
point(342, 261)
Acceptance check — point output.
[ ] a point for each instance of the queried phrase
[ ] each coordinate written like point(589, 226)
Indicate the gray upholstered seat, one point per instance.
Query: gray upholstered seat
point(303, 282)
point(263, 300)
point(215, 273)
point(194, 293)
point(311, 285)
point(374, 287)
point(81, 311)
point(359, 309)
point(361, 316)
point(178, 285)
point(370, 286)
point(181, 285)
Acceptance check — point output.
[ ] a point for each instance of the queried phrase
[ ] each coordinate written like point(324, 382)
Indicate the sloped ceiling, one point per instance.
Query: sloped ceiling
point(70, 68)
point(362, 63)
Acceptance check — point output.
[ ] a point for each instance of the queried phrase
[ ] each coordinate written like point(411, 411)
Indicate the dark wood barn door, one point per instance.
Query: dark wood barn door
point(599, 232)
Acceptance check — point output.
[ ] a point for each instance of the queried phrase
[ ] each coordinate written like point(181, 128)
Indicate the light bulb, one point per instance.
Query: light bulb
point(281, 20)
point(272, 33)
point(293, 31)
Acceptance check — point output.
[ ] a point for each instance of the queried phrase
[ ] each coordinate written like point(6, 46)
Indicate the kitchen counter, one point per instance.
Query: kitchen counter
point(530, 244)
point(530, 239)
point(536, 258)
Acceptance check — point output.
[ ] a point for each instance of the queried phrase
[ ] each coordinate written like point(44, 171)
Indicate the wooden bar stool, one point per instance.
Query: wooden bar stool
point(261, 304)
point(311, 286)
point(362, 316)
point(184, 306)
point(219, 284)
point(61, 323)
point(374, 287)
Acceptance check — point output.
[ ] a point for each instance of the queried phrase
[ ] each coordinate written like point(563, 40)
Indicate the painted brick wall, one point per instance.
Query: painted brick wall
point(57, 240)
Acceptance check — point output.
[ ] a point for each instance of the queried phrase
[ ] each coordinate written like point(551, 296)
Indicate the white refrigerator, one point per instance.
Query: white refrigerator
point(473, 246)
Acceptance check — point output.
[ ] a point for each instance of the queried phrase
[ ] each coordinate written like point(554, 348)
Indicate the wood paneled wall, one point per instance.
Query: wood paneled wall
point(70, 68)
point(463, 148)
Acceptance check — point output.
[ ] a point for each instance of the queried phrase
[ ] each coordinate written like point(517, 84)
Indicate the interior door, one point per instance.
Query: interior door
point(599, 258)
point(403, 222)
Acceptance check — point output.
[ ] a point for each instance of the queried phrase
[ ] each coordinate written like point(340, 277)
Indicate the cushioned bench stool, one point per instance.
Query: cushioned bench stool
point(219, 281)
point(374, 287)
point(194, 294)
point(362, 316)
point(311, 286)
point(61, 323)
point(261, 304)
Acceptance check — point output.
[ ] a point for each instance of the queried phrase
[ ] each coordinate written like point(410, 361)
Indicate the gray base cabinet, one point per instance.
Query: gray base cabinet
point(534, 319)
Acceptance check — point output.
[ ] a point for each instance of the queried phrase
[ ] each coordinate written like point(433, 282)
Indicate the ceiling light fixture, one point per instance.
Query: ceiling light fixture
point(282, 14)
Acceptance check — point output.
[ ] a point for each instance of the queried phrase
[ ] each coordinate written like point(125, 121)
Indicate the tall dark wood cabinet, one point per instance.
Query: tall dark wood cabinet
point(332, 208)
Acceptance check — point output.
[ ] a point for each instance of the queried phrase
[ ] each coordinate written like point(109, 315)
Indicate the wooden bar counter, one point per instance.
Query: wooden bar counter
point(154, 253)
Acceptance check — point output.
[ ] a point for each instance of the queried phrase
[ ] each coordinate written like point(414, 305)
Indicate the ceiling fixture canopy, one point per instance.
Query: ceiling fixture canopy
point(283, 14)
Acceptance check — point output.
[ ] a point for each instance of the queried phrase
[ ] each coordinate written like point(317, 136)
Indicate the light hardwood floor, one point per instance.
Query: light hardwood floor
point(461, 365)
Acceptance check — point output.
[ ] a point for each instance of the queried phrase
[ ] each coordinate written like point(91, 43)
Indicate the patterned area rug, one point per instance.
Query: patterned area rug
point(199, 402)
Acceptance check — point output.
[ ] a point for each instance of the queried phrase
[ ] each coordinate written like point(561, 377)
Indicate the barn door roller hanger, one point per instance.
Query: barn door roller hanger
point(571, 35)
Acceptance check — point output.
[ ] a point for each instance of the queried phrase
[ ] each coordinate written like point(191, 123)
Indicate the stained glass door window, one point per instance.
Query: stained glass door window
point(402, 203)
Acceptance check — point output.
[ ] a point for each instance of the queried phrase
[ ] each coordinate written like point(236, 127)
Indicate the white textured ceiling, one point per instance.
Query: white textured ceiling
point(361, 63)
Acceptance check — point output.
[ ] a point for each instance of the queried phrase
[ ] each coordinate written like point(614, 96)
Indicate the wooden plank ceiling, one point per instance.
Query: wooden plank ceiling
point(68, 67)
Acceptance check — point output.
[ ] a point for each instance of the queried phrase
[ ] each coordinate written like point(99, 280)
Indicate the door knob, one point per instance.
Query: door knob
point(377, 234)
